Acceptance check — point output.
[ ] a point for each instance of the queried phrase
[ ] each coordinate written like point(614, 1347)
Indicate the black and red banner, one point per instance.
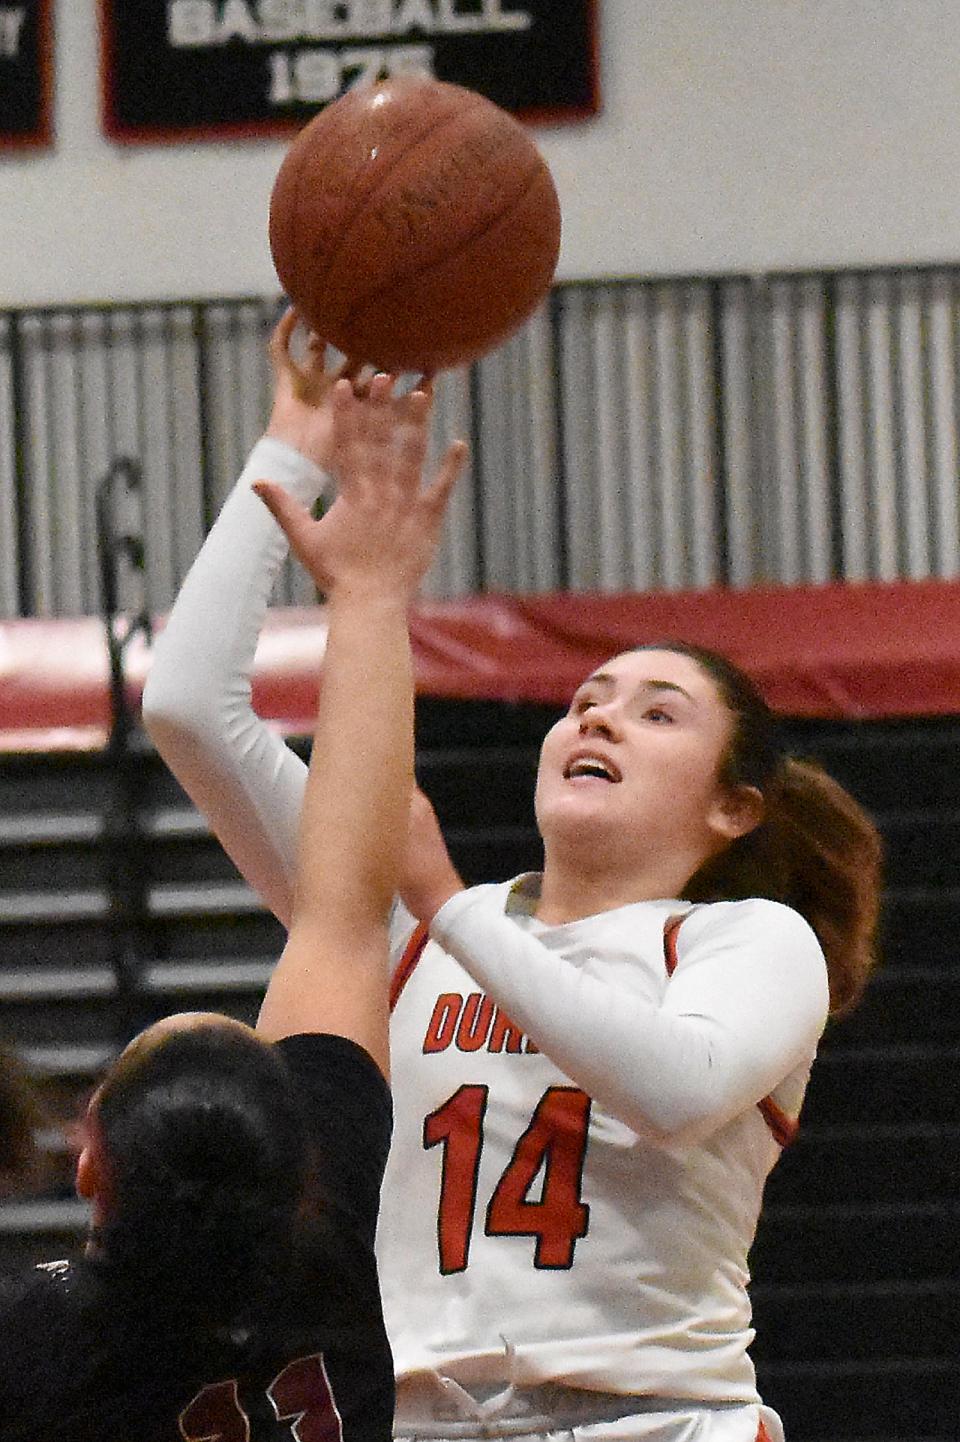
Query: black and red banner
point(207, 69)
point(26, 71)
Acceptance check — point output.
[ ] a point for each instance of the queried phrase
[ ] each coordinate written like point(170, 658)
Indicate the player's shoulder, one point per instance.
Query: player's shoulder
point(755, 918)
point(330, 1070)
point(305, 1052)
point(39, 1313)
point(332, 1063)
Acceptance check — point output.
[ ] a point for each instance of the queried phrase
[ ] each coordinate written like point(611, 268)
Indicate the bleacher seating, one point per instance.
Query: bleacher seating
point(857, 1289)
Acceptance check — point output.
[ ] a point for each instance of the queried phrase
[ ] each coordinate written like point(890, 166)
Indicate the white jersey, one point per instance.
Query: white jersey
point(526, 1229)
point(582, 1212)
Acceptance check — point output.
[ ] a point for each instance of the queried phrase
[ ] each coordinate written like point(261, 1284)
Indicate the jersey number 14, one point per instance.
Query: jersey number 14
point(552, 1148)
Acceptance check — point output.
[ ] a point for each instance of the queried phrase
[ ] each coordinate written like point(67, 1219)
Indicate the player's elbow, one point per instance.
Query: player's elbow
point(171, 728)
point(676, 1123)
point(174, 715)
point(164, 705)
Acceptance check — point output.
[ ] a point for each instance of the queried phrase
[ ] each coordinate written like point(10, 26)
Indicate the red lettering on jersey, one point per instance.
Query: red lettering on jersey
point(301, 1398)
point(215, 1415)
point(458, 1126)
point(301, 1395)
point(552, 1149)
point(555, 1143)
point(443, 1023)
point(503, 1034)
point(475, 1021)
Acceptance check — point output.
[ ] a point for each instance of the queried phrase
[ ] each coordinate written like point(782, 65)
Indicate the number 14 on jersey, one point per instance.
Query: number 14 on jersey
point(553, 1148)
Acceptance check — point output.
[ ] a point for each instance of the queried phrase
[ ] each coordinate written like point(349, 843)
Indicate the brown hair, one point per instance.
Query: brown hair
point(815, 850)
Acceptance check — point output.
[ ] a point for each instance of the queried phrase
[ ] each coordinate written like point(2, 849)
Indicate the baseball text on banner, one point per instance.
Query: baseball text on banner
point(195, 68)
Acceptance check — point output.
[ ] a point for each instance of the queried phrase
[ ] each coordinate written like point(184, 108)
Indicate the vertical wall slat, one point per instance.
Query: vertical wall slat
point(9, 540)
point(669, 448)
point(101, 424)
point(39, 501)
point(579, 438)
point(812, 390)
point(160, 454)
point(881, 430)
point(534, 410)
point(640, 512)
point(782, 485)
point(945, 502)
point(740, 439)
point(700, 430)
point(851, 427)
point(71, 507)
point(912, 474)
point(225, 406)
point(610, 477)
point(455, 568)
point(497, 468)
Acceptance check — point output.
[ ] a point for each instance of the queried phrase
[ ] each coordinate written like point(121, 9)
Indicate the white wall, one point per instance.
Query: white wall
point(737, 135)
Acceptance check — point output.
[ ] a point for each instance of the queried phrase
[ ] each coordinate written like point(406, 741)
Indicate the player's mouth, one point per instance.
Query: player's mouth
point(587, 765)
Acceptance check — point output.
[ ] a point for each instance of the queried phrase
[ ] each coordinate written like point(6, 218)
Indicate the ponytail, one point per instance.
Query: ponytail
point(815, 850)
point(205, 1160)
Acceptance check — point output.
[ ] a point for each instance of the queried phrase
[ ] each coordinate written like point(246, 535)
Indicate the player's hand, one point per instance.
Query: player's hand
point(302, 412)
point(381, 532)
point(428, 877)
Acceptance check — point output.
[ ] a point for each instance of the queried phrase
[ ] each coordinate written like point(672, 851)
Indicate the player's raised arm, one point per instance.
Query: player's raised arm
point(368, 555)
point(197, 700)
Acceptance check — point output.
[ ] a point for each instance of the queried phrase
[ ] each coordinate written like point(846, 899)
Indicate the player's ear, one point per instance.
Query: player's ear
point(91, 1180)
point(86, 1173)
point(737, 811)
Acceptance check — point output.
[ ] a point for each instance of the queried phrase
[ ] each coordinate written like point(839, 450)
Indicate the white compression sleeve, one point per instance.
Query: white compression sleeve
point(197, 700)
point(744, 1008)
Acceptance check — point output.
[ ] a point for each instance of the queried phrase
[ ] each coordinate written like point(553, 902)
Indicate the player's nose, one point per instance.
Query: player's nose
point(600, 720)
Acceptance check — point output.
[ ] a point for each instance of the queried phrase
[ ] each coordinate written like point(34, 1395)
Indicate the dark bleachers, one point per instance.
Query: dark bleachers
point(856, 1290)
point(203, 941)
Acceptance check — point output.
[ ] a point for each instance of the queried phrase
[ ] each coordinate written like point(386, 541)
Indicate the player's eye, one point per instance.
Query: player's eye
point(658, 714)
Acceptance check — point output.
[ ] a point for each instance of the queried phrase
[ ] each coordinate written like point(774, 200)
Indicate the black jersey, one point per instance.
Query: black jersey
point(76, 1363)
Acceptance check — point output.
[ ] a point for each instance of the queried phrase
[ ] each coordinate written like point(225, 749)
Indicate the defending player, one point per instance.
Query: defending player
point(229, 1289)
point(597, 1067)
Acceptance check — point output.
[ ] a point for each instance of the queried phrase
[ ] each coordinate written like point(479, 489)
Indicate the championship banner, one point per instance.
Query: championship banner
point(25, 73)
point(207, 69)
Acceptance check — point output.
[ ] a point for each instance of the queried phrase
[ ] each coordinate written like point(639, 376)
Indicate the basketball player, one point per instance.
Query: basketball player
point(597, 1067)
point(229, 1290)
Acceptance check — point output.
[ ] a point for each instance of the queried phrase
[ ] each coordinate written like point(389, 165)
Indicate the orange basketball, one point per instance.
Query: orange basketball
point(414, 224)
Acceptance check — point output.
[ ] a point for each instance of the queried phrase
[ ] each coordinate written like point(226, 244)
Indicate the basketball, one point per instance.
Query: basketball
point(414, 224)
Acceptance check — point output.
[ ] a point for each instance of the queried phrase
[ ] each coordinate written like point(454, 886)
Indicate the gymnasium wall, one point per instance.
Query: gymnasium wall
point(736, 136)
point(635, 436)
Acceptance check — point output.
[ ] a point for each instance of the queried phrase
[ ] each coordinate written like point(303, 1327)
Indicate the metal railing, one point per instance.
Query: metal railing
point(121, 554)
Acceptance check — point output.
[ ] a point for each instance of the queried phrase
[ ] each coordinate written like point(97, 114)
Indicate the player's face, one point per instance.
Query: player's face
point(636, 761)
